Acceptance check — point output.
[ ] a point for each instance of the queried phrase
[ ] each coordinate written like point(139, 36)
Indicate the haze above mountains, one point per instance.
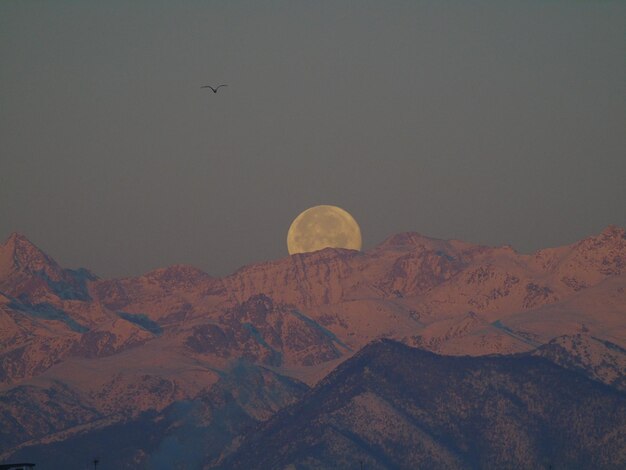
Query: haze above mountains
point(185, 364)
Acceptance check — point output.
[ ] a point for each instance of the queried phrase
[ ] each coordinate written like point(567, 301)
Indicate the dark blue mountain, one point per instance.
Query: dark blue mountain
point(396, 407)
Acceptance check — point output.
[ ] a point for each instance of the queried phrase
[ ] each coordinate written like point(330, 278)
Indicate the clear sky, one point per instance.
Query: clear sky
point(496, 122)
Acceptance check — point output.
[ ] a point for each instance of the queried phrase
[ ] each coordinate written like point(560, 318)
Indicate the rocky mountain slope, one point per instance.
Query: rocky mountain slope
point(91, 353)
point(184, 434)
point(391, 406)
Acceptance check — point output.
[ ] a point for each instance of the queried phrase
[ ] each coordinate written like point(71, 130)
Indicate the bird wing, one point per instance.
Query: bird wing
point(220, 86)
point(209, 86)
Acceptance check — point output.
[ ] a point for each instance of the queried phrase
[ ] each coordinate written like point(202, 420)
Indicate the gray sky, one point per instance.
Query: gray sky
point(495, 122)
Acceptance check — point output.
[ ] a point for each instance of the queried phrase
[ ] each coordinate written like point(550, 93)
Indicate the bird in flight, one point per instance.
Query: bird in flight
point(214, 90)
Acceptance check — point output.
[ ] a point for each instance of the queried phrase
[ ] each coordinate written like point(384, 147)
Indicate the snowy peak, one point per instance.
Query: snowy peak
point(612, 237)
point(26, 271)
point(595, 257)
point(411, 240)
point(19, 254)
point(613, 232)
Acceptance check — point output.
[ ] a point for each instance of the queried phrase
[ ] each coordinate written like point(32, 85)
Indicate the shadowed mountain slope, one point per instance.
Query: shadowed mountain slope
point(395, 407)
point(182, 435)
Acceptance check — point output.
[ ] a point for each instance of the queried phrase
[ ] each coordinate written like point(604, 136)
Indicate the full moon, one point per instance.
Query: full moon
point(323, 227)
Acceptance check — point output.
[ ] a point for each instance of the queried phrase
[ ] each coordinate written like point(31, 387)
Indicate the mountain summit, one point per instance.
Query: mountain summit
point(18, 254)
point(27, 272)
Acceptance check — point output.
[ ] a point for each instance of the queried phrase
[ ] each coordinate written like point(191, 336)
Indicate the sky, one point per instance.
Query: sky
point(495, 122)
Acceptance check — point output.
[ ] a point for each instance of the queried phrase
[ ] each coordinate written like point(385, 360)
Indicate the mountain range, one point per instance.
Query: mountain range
point(392, 406)
point(180, 369)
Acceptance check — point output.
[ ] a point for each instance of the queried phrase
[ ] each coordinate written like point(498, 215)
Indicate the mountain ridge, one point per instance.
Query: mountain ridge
point(350, 416)
point(168, 335)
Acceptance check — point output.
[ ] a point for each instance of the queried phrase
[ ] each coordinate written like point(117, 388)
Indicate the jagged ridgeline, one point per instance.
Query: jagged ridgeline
point(181, 367)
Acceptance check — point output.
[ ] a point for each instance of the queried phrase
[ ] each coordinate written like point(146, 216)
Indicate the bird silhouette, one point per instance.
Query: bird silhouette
point(214, 90)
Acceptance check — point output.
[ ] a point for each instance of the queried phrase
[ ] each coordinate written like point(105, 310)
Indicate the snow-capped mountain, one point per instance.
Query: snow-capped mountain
point(85, 354)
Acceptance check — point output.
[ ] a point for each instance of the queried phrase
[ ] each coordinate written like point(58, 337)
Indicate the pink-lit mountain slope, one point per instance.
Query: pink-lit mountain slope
point(113, 349)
